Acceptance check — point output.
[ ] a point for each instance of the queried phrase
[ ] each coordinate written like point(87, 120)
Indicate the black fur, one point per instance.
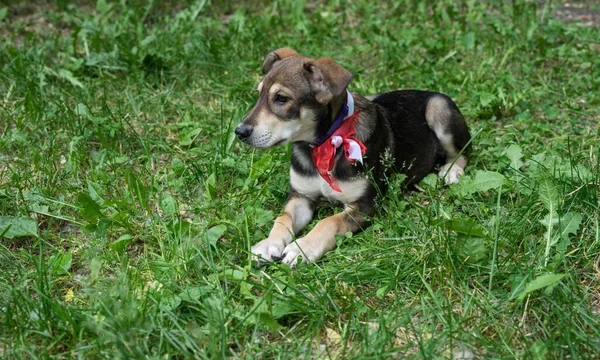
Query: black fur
point(399, 127)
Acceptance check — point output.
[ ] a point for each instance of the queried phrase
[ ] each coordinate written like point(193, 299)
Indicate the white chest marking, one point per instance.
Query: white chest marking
point(315, 187)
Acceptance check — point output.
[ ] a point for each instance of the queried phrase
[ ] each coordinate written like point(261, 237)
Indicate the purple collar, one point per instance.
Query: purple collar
point(346, 111)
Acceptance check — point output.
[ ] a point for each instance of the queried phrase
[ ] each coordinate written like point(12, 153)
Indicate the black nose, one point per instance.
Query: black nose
point(243, 131)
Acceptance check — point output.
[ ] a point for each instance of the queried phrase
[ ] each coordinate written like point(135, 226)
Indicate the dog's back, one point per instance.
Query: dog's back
point(427, 129)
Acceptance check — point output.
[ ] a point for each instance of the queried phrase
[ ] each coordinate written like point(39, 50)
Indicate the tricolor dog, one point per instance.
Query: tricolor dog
point(344, 146)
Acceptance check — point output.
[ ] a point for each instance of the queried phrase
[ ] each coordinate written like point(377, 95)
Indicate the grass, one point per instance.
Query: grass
point(127, 207)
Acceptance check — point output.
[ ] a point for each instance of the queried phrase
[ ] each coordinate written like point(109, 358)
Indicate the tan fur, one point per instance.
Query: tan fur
point(321, 238)
point(275, 56)
point(297, 214)
point(437, 115)
point(269, 130)
point(315, 187)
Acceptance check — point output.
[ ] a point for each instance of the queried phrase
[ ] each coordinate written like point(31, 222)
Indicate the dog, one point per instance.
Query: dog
point(344, 147)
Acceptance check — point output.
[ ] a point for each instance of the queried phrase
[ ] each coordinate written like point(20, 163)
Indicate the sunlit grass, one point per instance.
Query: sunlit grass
point(127, 207)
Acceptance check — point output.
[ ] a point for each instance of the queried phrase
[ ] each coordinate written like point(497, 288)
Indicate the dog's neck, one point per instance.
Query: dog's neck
point(341, 107)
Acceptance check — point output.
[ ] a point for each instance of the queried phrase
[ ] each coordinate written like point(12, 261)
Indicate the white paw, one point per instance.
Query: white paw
point(268, 250)
point(304, 249)
point(451, 174)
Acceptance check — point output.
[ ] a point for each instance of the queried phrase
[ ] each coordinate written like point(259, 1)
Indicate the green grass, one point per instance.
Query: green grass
point(127, 207)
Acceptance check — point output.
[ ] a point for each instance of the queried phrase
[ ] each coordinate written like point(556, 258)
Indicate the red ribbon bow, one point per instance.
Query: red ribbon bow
point(324, 155)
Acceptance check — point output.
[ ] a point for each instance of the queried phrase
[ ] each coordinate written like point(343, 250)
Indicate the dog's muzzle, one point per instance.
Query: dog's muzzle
point(243, 131)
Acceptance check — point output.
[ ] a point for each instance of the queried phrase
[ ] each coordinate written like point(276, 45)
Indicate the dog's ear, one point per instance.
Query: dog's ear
point(327, 78)
point(275, 56)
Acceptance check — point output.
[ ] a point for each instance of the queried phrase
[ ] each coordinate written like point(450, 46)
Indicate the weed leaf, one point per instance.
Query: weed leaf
point(540, 282)
point(261, 166)
point(214, 233)
point(515, 154)
point(211, 187)
point(482, 181)
point(461, 226)
point(429, 181)
point(169, 301)
point(67, 75)
point(17, 226)
point(95, 266)
point(121, 243)
point(471, 249)
point(89, 209)
point(569, 224)
point(268, 321)
point(548, 195)
point(487, 180)
point(61, 263)
point(167, 204)
point(3, 13)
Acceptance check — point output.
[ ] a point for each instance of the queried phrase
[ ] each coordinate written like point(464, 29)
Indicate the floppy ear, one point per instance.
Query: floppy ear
point(327, 78)
point(275, 56)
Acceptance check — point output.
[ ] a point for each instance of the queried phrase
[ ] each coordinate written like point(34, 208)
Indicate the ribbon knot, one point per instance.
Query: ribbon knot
point(323, 155)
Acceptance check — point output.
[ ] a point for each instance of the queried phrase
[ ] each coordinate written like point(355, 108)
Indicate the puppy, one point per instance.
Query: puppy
point(344, 146)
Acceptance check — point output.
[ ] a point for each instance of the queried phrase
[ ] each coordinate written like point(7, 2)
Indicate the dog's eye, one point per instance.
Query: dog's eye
point(280, 99)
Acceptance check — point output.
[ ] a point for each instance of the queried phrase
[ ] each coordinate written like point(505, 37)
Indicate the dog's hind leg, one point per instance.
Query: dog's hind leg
point(444, 118)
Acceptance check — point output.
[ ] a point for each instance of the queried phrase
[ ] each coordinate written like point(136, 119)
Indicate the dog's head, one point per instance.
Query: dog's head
point(295, 94)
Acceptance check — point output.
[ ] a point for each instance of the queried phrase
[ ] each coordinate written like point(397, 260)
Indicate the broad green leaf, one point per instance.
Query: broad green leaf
point(550, 220)
point(88, 208)
point(169, 301)
point(462, 226)
point(17, 226)
point(214, 233)
point(281, 309)
point(187, 138)
point(429, 181)
point(168, 204)
point(267, 320)
point(515, 154)
point(81, 109)
point(3, 13)
point(540, 282)
point(181, 229)
point(61, 262)
point(211, 187)
point(190, 294)
point(67, 75)
point(95, 266)
point(548, 194)
point(471, 249)
point(382, 291)
point(573, 171)
point(93, 192)
point(103, 7)
point(147, 40)
point(469, 40)
point(569, 224)
point(121, 243)
point(261, 166)
point(487, 180)
point(485, 98)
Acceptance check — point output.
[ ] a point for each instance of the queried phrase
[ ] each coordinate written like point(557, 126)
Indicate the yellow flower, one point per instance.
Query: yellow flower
point(69, 295)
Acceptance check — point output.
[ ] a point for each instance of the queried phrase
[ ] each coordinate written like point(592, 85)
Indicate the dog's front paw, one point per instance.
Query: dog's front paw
point(268, 250)
point(450, 174)
point(304, 249)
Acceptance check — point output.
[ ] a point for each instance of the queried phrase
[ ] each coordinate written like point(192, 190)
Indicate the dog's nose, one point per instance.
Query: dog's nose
point(243, 131)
